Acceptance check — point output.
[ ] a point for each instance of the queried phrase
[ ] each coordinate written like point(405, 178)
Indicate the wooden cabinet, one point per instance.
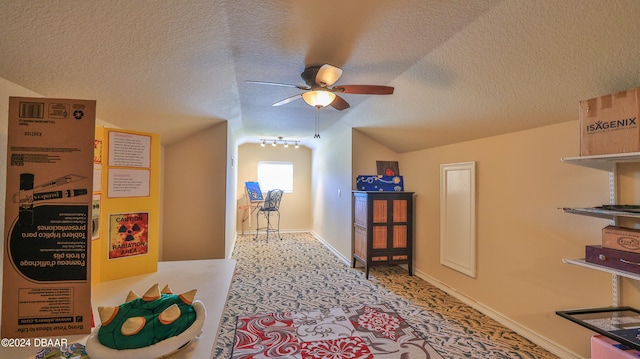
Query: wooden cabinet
point(382, 229)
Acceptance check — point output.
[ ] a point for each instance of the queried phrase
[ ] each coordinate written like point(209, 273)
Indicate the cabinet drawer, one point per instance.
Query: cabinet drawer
point(613, 258)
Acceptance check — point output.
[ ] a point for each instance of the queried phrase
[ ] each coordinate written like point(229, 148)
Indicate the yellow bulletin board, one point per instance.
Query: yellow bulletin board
point(128, 165)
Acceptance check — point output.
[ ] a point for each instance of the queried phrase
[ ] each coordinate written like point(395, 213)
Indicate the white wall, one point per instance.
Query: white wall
point(331, 189)
point(232, 193)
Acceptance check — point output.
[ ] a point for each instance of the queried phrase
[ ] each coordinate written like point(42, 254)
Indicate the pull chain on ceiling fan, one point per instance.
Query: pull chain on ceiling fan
point(318, 93)
point(317, 134)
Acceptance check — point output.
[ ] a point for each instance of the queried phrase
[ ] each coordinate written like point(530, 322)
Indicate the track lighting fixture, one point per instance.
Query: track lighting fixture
point(279, 140)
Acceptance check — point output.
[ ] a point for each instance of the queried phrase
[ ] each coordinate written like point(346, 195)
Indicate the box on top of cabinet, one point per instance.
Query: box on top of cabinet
point(379, 183)
point(609, 124)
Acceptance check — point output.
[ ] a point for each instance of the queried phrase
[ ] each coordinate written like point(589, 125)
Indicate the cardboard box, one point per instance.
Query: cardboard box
point(380, 183)
point(622, 239)
point(606, 348)
point(47, 230)
point(609, 124)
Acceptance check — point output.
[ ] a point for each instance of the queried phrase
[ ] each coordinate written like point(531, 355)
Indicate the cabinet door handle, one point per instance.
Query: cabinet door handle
point(629, 262)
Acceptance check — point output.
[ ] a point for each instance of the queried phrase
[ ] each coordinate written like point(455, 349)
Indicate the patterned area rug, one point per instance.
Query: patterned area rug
point(356, 332)
point(299, 274)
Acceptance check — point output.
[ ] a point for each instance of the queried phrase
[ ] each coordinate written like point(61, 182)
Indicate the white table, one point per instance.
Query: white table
point(212, 278)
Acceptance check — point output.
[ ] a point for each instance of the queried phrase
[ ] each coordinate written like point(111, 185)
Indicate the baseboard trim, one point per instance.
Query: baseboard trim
point(253, 232)
point(330, 247)
point(536, 338)
point(233, 246)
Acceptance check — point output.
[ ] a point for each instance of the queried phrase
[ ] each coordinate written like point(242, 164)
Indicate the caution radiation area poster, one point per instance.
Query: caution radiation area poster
point(46, 265)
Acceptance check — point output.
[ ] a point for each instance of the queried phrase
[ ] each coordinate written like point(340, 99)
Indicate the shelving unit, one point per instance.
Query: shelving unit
point(609, 163)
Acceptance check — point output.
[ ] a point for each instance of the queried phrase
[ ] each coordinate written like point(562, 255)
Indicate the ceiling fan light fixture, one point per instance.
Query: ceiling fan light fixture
point(318, 98)
point(327, 75)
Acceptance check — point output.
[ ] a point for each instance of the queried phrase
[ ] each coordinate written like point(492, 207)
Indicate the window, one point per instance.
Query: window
point(272, 175)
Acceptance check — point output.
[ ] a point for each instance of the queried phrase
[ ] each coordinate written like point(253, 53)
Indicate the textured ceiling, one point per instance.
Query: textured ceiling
point(461, 69)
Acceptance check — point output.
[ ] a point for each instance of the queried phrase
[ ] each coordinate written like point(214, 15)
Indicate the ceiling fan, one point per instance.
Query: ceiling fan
point(318, 93)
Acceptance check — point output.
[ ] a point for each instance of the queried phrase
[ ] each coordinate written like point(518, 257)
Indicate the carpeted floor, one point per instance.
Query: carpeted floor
point(299, 273)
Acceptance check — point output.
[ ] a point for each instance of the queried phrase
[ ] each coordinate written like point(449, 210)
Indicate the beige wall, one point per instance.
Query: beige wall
point(195, 196)
point(521, 235)
point(295, 213)
point(366, 152)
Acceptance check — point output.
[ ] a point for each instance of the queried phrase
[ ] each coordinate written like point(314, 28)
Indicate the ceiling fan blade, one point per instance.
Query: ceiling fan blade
point(287, 100)
point(364, 89)
point(328, 75)
point(339, 103)
point(278, 84)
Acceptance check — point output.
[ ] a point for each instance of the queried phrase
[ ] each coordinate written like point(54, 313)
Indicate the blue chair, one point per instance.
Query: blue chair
point(270, 207)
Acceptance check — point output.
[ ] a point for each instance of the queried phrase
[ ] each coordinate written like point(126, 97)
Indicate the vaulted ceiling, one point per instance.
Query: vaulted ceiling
point(461, 69)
